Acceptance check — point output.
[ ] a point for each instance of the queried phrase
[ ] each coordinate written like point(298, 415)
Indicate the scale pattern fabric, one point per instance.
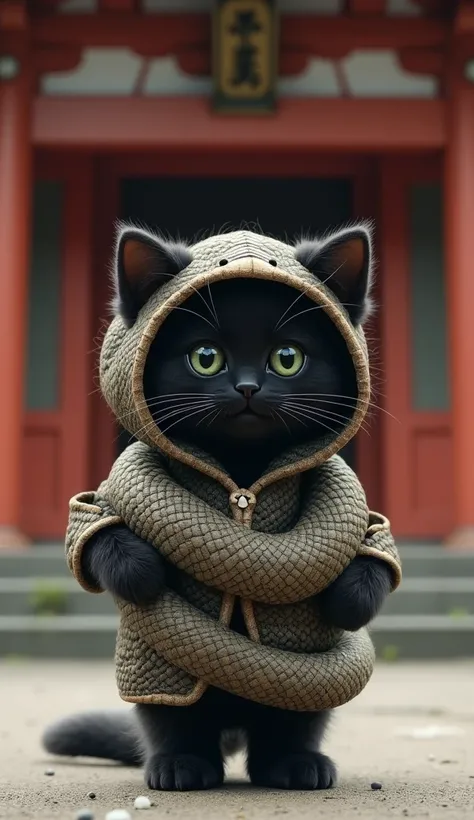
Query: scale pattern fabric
point(300, 525)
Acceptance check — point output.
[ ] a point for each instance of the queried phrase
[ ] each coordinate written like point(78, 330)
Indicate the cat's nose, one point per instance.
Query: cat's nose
point(247, 389)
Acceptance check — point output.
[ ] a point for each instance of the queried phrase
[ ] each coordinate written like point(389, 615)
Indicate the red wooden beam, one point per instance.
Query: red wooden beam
point(422, 61)
point(13, 15)
point(166, 33)
point(186, 123)
point(319, 36)
point(374, 7)
point(49, 60)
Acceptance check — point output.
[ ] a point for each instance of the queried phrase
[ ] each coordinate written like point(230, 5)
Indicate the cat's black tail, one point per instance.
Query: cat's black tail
point(109, 735)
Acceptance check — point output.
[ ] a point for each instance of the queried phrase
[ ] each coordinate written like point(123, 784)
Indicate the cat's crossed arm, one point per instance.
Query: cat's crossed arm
point(119, 561)
point(356, 596)
point(134, 571)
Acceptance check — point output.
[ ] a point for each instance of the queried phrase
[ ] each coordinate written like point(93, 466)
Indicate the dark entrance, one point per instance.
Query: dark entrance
point(284, 208)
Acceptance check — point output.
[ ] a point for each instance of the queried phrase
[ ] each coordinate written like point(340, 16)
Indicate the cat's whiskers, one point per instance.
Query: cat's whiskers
point(318, 414)
point(152, 403)
point(277, 326)
point(330, 415)
point(318, 396)
point(304, 406)
point(291, 414)
point(199, 315)
point(189, 415)
point(213, 305)
point(198, 292)
point(158, 420)
point(174, 411)
point(274, 413)
point(305, 415)
point(212, 310)
point(281, 323)
point(214, 418)
point(213, 410)
point(177, 402)
point(328, 278)
point(172, 395)
point(309, 310)
point(144, 430)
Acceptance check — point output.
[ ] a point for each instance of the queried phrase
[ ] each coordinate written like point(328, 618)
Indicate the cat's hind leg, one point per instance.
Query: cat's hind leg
point(182, 747)
point(284, 750)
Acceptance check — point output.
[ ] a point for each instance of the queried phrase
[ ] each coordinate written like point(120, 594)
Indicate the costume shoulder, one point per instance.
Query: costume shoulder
point(379, 543)
point(89, 512)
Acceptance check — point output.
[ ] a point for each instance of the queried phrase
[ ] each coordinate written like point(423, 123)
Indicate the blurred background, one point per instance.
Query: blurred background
point(296, 116)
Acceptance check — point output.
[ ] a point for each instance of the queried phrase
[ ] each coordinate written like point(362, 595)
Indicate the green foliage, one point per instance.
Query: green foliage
point(48, 599)
point(458, 612)
point(389, 653)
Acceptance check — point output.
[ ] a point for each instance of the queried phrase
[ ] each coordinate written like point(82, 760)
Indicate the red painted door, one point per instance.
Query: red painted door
point(417, 425)
point(59, 362)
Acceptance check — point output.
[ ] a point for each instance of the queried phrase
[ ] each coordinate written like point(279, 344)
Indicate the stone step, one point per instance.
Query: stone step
point(62, 636)
point(396, 637)
point(41, 561)
point(427, 561)
point(63, 595)
point(432, 596)
point(59, 595)
point(423, 637)
point(418, 561)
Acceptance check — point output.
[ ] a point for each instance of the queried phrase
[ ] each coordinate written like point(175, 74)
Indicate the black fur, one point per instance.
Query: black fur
point(129, 568)
point(258, 413)
point(184, 744)
point(355, 598)
point(110, 735)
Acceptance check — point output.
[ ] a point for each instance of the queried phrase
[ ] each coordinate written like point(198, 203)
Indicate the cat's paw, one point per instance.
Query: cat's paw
point(306, 770)
point(182, 773)
point(355, 598)
point(125, 565)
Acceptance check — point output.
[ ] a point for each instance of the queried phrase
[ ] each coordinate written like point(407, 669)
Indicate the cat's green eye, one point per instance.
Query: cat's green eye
point(207, 360)
point(286, 361)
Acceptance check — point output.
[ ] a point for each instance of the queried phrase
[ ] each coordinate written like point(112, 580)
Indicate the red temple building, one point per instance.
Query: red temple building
point(107, 111)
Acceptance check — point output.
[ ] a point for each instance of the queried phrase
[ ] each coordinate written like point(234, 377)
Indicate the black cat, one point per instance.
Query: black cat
point(243, 371)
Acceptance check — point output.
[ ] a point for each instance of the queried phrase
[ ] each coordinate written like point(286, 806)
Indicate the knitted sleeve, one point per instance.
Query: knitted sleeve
point(88, 513)
point(379, 543)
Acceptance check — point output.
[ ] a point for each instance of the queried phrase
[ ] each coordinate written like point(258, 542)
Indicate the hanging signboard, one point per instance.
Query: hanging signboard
point(245, 44)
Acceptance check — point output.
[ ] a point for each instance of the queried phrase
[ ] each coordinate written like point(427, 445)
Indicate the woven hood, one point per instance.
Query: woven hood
point(125, 347)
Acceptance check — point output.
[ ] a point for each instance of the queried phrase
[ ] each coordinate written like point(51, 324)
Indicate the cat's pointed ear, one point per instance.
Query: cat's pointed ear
point(143, 262)
point(343, 262)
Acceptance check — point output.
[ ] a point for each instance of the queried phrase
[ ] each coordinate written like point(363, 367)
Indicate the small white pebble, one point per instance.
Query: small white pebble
point(118, 814)
point(142, 803)
point(84, 814)
point(49, 772)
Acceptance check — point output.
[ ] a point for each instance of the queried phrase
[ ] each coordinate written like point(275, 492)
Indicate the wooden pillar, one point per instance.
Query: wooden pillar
point(15, 196)
point(459, 226)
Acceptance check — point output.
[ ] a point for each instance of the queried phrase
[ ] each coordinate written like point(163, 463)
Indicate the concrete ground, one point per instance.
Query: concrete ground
point(411, 730)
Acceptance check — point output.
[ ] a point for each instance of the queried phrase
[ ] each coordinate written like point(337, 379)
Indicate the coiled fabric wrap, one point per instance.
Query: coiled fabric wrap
point(297, 662)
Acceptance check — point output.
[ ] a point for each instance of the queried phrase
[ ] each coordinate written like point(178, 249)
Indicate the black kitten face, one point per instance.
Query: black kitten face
point(249, 364)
